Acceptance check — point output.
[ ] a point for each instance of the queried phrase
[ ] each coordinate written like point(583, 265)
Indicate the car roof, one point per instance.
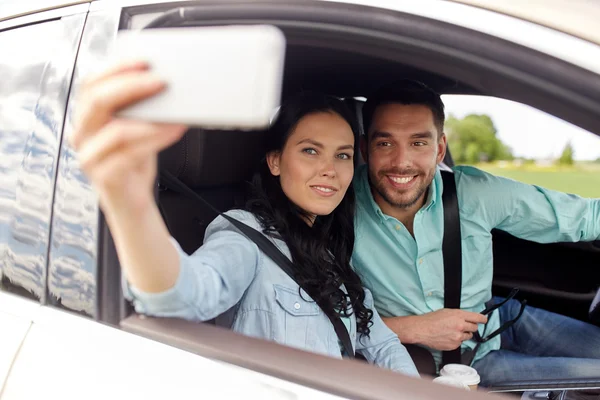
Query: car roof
point(18, 8)
point(575, 17)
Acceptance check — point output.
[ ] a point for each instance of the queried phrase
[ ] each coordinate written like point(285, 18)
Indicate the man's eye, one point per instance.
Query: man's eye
point(420, 143)
point(310, 151)
point(384, 144)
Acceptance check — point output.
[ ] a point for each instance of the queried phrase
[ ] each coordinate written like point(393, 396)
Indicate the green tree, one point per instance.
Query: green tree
point(566, 158)
point(473, 139)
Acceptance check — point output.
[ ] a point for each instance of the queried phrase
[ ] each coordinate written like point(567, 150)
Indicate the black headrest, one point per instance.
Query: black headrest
point(208, 158)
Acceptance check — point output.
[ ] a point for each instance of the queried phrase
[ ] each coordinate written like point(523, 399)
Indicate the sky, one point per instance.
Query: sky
point(529, 132)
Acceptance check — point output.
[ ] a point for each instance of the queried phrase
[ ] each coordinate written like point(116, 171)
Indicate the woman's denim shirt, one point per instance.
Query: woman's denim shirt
point(231, 277)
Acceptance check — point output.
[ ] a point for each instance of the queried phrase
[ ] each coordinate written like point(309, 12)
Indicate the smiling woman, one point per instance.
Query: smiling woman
point(315, 166)
point(303, 202)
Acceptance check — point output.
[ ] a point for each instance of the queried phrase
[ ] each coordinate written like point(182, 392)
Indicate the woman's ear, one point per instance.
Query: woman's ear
point(273, 160)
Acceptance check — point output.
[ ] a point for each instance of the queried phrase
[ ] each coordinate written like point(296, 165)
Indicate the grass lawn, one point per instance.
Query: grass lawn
point(583, 180)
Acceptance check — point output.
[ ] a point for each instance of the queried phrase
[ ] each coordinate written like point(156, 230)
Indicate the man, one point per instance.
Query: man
point(398, 252)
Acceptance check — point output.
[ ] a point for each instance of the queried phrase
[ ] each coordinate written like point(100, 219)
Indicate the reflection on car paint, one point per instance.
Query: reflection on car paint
point(73, 252)
point(33, 95)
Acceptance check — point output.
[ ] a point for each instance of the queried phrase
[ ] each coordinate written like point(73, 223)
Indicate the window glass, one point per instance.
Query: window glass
point(522, 143)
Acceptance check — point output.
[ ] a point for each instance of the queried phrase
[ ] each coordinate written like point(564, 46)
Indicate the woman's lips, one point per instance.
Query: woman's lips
point(323, 190)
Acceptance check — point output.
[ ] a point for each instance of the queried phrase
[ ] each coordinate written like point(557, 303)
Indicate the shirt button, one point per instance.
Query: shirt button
point(420, 261)
point(297, 306)
point(429, 294)
point(397, 227)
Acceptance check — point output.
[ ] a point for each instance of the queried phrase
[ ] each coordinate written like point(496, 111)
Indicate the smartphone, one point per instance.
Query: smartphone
point(225, 77)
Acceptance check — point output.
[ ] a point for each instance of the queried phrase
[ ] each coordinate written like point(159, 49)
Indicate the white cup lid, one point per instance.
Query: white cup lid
point(464, 373)
point(450, 381)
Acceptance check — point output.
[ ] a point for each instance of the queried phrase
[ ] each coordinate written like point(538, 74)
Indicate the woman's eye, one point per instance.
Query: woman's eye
point(310, 151)
point(344, 156)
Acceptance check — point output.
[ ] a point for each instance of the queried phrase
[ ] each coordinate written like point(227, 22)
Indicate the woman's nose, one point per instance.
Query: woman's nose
point(328, 169)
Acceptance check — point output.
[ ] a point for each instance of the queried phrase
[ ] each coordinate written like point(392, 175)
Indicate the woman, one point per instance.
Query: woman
point(303, 202)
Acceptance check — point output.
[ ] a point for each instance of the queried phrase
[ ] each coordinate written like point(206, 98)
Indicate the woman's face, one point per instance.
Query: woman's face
point(316, 165)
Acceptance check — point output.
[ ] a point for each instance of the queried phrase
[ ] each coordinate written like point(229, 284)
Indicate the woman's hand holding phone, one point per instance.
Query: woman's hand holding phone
point(118, 155)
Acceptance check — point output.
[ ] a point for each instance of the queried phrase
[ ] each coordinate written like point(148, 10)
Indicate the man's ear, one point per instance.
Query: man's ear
point(364, 147)
point(273, 160)
point(442, 147)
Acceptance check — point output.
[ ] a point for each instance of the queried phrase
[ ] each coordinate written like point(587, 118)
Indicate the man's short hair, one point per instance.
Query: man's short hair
point(406, 92)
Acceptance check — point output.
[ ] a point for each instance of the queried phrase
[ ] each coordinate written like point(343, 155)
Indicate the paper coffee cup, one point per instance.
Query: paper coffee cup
point(463, 373)
point(450, 381)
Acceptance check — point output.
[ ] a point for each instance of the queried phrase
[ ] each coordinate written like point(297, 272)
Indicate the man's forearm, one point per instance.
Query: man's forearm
point(405, 327)
point(443, 329)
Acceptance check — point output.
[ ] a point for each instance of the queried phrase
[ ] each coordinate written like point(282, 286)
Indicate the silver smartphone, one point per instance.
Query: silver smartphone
point(227, 77)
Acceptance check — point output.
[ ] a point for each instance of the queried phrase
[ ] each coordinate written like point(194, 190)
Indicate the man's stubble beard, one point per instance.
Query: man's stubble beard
point(383, 191)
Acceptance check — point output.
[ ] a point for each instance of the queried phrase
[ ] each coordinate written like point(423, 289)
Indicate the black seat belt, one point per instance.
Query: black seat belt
point(268, 248)
point(452, 253)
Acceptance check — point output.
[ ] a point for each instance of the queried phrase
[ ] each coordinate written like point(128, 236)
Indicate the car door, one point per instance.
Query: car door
point(38, 54)
point(425, 37)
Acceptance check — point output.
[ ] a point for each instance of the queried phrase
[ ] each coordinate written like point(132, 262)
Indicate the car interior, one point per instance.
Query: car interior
point(350, 64)
point(218, 165)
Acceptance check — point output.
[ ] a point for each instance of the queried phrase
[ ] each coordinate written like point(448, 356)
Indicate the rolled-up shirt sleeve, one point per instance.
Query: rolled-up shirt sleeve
point(527, 211)
point(382, 347)
point(211, 280)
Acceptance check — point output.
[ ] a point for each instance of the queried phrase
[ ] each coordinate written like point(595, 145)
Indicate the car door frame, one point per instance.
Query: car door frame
point(412, 27)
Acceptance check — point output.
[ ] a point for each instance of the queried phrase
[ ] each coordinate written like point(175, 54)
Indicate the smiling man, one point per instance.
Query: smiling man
point(398, 250)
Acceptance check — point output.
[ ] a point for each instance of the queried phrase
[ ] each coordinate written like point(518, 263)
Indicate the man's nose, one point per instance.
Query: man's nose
point(401, 156)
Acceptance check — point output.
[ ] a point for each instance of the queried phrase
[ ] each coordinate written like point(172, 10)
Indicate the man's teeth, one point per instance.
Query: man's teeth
point(323, 189)
point(402, 180)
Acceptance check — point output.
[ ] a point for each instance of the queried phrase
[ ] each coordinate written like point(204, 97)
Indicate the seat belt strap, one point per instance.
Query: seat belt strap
point(269, 249)
point(452, 254)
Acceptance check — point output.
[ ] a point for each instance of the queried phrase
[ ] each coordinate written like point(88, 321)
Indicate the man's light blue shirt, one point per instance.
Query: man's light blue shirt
point(406, 274)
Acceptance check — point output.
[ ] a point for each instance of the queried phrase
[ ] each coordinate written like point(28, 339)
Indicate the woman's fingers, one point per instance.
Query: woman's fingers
point(99, 102)
point(117, 154)
point(110, 176)
point(116, 69)
point(129, 158)
point(121, 135)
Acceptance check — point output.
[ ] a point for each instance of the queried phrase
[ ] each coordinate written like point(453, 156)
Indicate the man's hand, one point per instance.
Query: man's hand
point(444, 329)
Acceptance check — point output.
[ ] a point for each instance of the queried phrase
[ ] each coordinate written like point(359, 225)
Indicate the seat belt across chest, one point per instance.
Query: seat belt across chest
point(269, 249)
point(452, 255)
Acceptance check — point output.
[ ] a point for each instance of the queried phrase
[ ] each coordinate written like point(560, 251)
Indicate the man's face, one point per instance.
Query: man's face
point(402, 151)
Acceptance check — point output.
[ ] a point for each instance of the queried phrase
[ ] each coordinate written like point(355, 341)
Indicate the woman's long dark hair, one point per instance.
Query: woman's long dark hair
point(321, 252)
